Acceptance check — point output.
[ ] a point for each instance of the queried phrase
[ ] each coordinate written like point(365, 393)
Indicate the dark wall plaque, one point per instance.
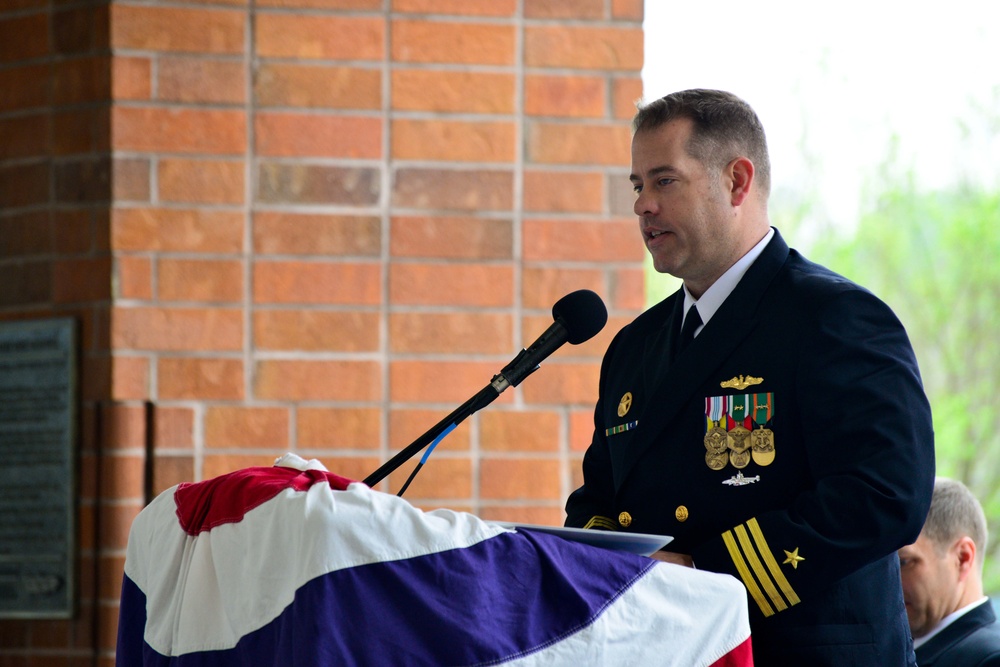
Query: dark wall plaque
point(38, 398)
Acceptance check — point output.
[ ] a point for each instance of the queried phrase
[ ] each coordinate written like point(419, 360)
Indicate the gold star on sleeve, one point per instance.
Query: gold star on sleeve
point(793, 558)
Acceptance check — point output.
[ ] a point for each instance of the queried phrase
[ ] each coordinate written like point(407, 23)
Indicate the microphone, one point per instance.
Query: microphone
point(578, 316)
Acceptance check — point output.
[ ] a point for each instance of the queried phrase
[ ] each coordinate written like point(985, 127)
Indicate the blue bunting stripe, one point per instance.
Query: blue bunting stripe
point(539, 589)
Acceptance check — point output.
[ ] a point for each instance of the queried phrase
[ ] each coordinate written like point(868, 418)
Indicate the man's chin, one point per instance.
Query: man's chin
point(664, 266)
point(917, 629)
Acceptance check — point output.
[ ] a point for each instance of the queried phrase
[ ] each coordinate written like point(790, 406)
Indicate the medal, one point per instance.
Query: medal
point(716, 441)
point(738, 440)
point(716, 461)
point(762, 438)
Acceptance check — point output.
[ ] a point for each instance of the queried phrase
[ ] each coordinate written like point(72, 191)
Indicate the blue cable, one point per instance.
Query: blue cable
point(438, 439)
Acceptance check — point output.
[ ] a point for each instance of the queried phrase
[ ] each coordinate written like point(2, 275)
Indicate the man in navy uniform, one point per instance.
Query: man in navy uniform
point(952, 622)
point(769, 415)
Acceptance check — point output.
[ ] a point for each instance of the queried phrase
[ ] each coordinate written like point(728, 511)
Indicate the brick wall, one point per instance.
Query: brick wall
point(316, 226)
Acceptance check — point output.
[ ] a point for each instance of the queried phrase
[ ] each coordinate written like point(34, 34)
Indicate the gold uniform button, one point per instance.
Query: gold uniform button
point(681, 513)
point(625, 519)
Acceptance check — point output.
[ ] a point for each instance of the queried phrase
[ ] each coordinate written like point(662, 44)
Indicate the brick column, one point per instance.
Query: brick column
point(55, 261)
point(328, 224)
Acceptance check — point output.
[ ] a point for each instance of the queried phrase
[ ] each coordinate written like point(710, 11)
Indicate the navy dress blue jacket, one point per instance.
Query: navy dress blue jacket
point(790, 445)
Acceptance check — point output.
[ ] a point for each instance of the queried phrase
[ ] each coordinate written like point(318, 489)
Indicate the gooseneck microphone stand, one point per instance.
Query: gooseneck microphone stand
point(576, 317)
point(488, 394)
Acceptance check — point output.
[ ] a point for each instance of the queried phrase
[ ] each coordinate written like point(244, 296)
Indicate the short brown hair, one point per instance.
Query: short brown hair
point(725, 127)
point(955, 512)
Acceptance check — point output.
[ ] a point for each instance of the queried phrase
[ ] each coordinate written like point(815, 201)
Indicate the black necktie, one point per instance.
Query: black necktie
point(691, 322)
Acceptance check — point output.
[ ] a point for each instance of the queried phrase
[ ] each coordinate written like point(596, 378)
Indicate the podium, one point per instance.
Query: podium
point(294, 565)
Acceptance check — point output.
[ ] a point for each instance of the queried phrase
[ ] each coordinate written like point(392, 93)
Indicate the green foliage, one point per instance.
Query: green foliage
point(933, 257)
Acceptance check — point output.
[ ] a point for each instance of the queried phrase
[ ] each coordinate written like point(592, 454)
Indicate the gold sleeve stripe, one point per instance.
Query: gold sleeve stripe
point(601, 522)
point(758, 569)
point(772, 565)
point(744, 571)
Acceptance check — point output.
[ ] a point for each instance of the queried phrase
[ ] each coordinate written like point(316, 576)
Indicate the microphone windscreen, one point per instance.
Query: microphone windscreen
point(582, 313)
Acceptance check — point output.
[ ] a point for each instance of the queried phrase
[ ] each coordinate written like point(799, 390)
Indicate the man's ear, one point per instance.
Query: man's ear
point(740, 172)
point(965, 550)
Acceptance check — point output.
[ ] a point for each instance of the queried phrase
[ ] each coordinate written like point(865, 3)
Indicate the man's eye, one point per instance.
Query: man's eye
point(665, 181)
point(636, 188)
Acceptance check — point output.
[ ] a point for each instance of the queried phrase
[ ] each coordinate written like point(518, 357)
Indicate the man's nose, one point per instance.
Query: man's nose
point(644, 204)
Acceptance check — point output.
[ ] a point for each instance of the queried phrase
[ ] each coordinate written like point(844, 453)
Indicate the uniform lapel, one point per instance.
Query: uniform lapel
point(672, 389)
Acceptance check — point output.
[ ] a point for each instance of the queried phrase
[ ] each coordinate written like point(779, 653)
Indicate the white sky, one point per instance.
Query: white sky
point(832, 82)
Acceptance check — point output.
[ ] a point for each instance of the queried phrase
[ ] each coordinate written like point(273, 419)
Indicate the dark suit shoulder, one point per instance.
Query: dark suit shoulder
point(983, 646)
point(973, 640)
point(813, 292)
point(816, 280)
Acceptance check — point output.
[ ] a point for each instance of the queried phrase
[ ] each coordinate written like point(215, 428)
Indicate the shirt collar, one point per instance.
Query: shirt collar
point(720, 290)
